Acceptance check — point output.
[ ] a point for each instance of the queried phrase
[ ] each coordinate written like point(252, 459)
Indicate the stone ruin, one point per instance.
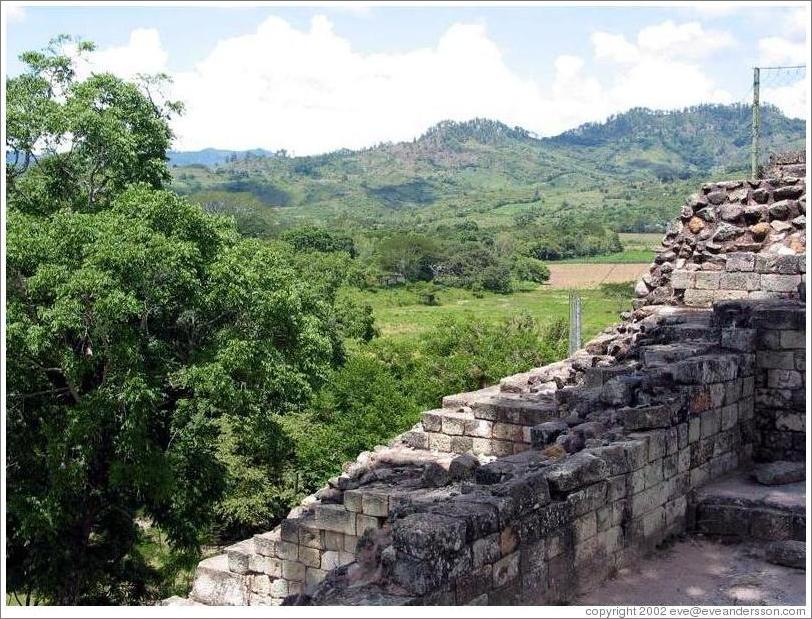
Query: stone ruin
point(542, 486)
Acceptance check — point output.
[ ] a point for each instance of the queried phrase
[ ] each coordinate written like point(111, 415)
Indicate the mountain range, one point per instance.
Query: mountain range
point(486, 170)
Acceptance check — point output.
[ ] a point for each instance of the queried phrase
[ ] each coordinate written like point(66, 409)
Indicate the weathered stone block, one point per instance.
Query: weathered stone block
point(740, 281)
point(335, 518)
point(293, 570)
point(740, 262)
point(780, 283)
point(681, 279)
point(432, 421)
point(440, 442)
point(585, 527)
point(453, 424)
point(790, 553)
point(266, 543)
point(428, 535)
point(698, 298)
point(311, 557)
point(793, 339)
point(486, 550)
point(505, 570)
point(480, 428)
point(353, 500)
point(645, 417)
point(707, 280)
point(375, 504)
point(785, 379)
point(576, 472)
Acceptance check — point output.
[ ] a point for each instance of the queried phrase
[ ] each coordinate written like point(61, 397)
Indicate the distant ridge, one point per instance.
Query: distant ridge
point(621, 172)
point(213, 156)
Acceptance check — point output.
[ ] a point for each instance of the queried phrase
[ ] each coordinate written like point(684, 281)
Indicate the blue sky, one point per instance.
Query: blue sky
point(312, 78)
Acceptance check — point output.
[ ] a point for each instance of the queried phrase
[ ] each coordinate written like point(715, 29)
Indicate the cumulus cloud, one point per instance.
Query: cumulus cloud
point(143, 53)
point(781, 51)
point(689, 40)
point(791, 98)
point(309, 91)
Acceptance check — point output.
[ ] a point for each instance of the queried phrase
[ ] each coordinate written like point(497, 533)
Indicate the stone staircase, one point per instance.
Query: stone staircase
point(740, 508)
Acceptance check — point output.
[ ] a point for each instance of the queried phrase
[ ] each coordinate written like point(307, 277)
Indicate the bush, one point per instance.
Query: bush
point(531, 270)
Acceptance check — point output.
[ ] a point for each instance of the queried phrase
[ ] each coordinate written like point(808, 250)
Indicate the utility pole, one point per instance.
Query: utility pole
point(575, 322)
point(754, 154)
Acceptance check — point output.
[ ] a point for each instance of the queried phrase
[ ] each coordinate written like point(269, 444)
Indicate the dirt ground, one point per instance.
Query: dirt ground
point(592, 275)
point(699, 572)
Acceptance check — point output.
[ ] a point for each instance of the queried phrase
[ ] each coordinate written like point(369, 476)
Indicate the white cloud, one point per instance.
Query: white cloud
point(14, 13)
point(790, 98)
point(308, 91)
point(778, 51)
point(143, 53)
point(613, 47)
point(689, 40)
point(796, 21)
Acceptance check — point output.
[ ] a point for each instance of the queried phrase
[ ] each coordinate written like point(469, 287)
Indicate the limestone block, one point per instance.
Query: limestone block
point(335, 518)
point(740, 281)
point(505, 570)
point(740, 262)
point(682, 279)
point(293, 570)
point(576, 472)
point(486, 550)
point(793, 339)
point(375, 504)
point(698, 298)
point(266, 543)
point(780, 283)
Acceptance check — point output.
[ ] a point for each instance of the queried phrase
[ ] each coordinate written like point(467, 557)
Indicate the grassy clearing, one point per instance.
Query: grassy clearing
point(399, 313)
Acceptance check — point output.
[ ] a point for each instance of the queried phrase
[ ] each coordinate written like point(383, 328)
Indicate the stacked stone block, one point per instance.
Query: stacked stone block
point(733, 240)
point(536, 529)
point(777, 335)
point(496, 425)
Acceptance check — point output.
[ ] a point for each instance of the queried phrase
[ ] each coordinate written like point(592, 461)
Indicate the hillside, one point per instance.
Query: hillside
point(627, 173)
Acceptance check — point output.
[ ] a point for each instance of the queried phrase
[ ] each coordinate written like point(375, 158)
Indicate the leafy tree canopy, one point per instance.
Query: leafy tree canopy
point(151, 349)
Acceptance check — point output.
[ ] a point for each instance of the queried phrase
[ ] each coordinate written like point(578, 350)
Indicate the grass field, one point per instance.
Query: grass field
point(399, 313)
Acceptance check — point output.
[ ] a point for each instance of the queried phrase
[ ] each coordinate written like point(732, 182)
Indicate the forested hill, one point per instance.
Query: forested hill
point(694, 140)
point(624, 172)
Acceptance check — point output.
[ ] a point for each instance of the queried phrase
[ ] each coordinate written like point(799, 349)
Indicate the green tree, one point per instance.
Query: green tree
point(531, 270)
point(150, 349)
point(318, 239)
point(410, 256)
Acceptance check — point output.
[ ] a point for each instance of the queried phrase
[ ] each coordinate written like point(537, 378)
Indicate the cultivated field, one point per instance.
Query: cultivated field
point(591, 275)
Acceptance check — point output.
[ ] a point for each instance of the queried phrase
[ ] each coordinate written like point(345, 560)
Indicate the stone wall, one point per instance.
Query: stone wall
point(541, 526)
point(733, 240)
point(539, 487)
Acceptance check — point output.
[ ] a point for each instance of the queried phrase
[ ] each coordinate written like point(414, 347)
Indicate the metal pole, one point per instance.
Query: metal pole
point(754, 154)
